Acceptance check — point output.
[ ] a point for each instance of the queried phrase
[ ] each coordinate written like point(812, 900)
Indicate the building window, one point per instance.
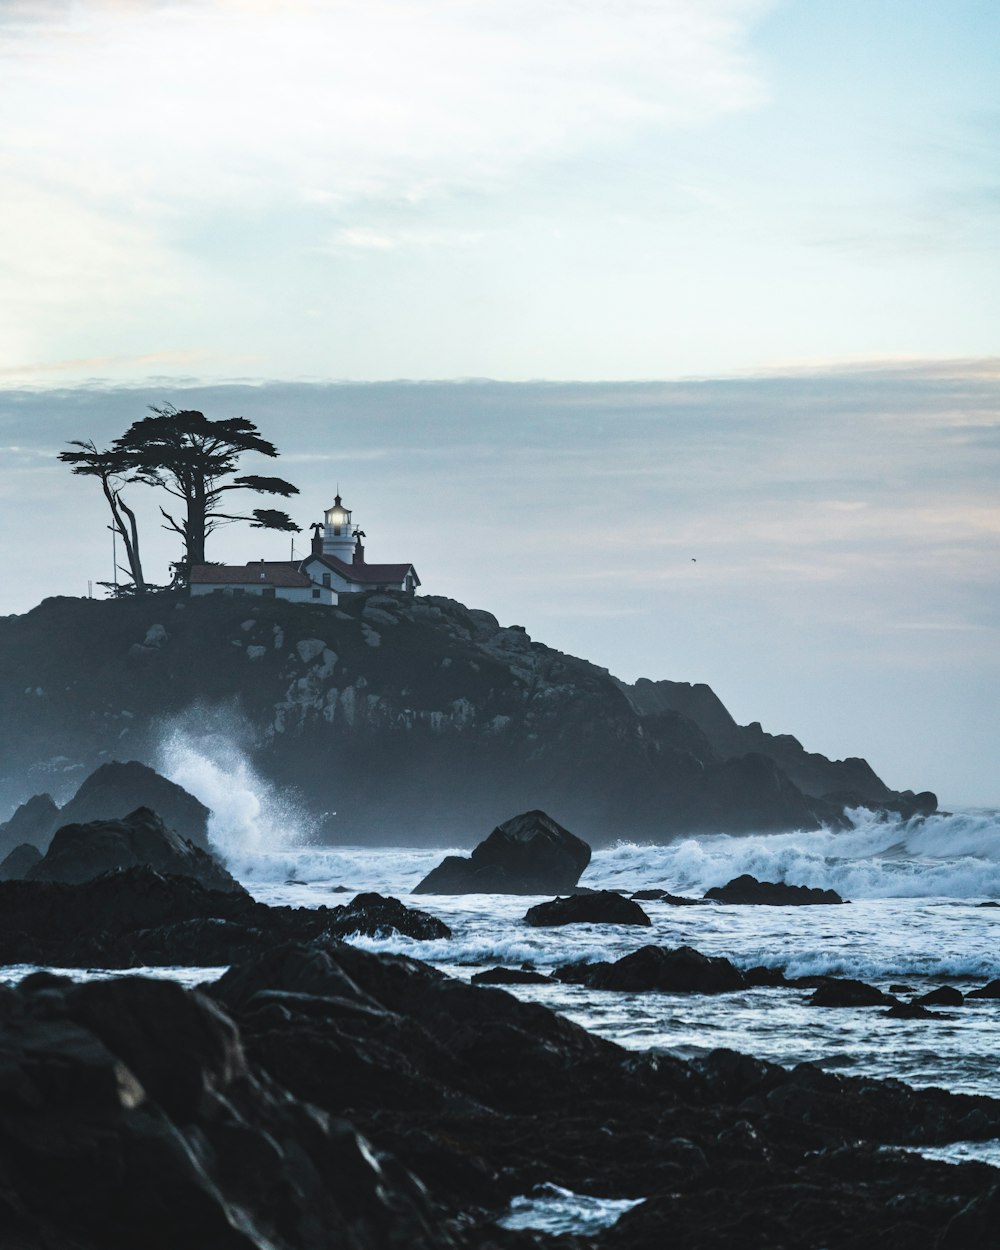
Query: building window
point(409, 583)
point(268, 592)
point(326, 579)
point(315, 594)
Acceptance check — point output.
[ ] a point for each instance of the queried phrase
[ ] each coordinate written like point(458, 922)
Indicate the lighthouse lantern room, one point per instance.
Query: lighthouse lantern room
point(339, 539)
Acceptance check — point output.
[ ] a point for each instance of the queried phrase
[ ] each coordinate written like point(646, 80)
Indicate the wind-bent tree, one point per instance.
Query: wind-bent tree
point(111, 468)
point(193, 459)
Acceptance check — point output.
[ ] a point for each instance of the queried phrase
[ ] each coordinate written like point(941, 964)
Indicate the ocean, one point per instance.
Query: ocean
point(913, 919)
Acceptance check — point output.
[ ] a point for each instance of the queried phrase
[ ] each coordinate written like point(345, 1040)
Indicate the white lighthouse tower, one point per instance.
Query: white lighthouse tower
point(339, 537)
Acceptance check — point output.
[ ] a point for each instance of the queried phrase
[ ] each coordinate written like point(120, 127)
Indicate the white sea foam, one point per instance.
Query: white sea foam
point(957, 856)
point(556, 1210)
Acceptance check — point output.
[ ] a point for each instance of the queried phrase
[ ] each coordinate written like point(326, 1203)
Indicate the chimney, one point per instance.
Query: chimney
point(359, 552)
point(317, 543)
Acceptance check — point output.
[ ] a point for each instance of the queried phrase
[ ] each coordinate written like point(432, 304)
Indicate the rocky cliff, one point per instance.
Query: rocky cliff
point(414, 720)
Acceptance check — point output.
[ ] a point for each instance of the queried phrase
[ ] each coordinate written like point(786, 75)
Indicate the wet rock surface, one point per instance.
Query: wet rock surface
point(131, 1117)
point(111, 792)
point(529, 854)
point(679, 971)
point(845, 992)
point(138, 917)
point(80, 852)
point(598, 907)
point(320, 1095)
point(509, 976)
point(747, 890)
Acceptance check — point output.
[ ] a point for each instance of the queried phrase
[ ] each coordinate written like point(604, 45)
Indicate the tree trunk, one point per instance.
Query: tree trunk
point(129, 535)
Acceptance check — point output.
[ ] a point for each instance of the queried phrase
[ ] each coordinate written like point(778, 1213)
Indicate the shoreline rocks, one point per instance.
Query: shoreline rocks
point(80, 852)
point(137, 917)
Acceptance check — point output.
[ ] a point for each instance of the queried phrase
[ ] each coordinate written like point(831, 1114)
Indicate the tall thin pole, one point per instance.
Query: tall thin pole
point(114, 555)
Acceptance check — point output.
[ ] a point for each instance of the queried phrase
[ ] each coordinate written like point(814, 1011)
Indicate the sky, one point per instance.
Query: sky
point(666, 328)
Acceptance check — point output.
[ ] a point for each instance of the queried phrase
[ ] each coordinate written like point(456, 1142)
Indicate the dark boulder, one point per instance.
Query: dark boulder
point(529, 854)
point(115, 789)
point(765, 978)
point(509, 976)
point(845, 992)
point(914, 1011)
point(990, 990)
point(748, 890)
point(19, 863)
point(601, 907)
point(679, 971)
point(81, 852)
point(943, 996)
point(375, 916)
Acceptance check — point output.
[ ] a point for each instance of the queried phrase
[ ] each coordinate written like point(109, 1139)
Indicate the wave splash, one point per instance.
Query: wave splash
point(957, 856)
point(204, 751)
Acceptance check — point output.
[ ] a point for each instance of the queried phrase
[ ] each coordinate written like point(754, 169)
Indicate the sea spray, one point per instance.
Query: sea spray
point(206, 753)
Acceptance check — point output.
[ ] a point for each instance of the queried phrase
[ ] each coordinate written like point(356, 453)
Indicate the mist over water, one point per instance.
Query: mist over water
point(205, 751)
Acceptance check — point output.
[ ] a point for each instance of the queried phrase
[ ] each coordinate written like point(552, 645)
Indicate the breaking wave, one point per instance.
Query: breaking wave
point(955, 856)
point(203, 751)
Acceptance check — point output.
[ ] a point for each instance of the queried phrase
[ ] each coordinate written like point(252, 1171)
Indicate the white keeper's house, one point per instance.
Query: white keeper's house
point(335, 566)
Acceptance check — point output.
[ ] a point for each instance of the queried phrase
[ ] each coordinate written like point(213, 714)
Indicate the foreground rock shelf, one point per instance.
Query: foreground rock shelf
point(318, 1095)
point(138, 917)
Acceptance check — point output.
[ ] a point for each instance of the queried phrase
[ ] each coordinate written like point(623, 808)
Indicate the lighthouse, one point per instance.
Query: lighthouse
point(339, 536)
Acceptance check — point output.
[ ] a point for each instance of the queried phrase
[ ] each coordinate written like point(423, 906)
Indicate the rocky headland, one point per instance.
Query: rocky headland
point(411, 718)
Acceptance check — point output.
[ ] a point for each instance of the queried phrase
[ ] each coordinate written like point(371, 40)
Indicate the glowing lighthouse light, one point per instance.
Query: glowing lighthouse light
point(339, 538)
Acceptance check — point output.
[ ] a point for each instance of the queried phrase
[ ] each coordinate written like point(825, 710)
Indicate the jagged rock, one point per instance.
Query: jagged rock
point(115, 789)
point(600, 907)
point(376, 916)
point(139, 917)
point(845, 992)
point(19, 863)
point(943, 996)
point(990, 990)
point(529, 854)
point(509, 976)
point(132, 1118)
point(80, 852)
point(679, 971)
point(837, 783)
point(748, 890)
point(31, 823)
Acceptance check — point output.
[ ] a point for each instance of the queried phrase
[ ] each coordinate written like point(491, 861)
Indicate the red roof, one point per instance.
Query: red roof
point(258, 573)
point(377, 574)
